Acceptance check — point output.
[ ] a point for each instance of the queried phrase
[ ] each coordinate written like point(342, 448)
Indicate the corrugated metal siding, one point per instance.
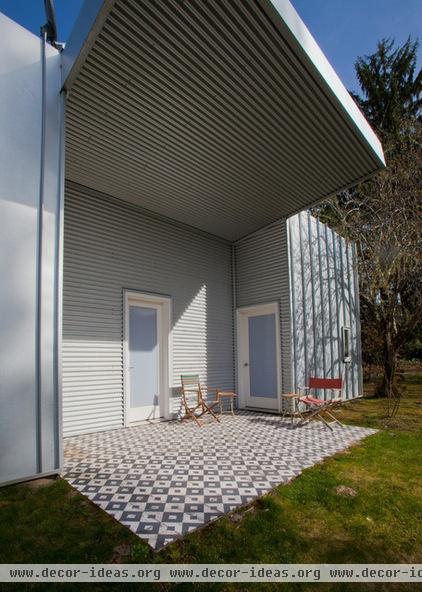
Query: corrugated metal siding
point(262, 275)
point(206, 113)
point(324, 298)
point(111, 246)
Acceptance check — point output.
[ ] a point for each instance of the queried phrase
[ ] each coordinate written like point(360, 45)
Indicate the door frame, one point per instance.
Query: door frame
point(242, 347)
point(164, 333)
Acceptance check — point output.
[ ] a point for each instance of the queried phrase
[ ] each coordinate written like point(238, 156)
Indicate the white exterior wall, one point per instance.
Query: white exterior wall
point(29, 264)
point(310, 271)
point(262, 276)
point(324, 298)
point(111, 246)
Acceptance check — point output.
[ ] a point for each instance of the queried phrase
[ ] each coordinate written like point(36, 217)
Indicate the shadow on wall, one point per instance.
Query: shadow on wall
point(323, 301)
point(111, 246)
point(28, 429)
point(18, 341)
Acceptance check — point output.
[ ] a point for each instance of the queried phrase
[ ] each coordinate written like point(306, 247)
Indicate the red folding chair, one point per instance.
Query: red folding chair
point(319, 407)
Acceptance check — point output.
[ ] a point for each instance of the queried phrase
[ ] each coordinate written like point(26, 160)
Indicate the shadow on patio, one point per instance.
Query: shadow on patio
point(163, 480)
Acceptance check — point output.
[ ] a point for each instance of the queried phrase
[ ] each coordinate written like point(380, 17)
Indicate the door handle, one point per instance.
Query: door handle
point(246, 364)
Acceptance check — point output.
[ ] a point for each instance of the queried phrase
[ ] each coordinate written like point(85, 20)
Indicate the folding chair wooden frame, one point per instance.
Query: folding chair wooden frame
point(319, 407)
point(191, 385)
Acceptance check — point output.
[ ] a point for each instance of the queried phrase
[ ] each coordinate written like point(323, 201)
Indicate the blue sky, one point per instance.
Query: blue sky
point(344, 29)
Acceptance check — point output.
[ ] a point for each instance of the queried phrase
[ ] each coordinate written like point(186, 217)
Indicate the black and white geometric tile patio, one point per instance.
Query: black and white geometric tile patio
point(163, 480)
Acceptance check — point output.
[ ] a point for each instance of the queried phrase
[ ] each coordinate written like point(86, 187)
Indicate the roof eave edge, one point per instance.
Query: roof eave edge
point(286, 19)
point(84, 33)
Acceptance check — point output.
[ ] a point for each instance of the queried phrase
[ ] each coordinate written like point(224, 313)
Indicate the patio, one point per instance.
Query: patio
point(164, 480)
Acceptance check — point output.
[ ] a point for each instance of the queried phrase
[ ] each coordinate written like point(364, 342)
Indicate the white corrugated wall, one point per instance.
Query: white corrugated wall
point(109, 246)
point(310, 271)
point(262, 276)
point(324, 298)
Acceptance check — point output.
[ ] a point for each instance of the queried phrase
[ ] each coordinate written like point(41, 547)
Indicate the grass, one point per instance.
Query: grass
point(303, 522)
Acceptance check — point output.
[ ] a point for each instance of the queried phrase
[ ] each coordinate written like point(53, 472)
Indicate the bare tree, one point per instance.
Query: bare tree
point(384, 218)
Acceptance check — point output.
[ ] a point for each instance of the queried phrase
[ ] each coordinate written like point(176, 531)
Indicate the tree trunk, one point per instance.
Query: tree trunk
point(388, 387)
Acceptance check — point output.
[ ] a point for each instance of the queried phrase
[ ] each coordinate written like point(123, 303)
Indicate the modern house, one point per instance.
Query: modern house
point(152, 175)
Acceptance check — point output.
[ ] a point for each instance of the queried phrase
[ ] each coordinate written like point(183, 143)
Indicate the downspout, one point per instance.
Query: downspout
point(38, 330)
point(50, 27)
point(358, 321)
point(48, 33)
point(293, 341)
point(234, 306)
point(58, 317)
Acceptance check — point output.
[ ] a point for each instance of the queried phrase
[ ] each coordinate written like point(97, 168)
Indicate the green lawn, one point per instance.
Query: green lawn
point(305, 521)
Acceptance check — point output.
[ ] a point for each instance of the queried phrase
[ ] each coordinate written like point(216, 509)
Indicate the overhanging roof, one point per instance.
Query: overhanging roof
point(222, 115)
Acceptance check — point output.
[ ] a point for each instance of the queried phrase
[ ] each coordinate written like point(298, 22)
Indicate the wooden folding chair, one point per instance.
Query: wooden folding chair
point(319, 407)
point(194, 399)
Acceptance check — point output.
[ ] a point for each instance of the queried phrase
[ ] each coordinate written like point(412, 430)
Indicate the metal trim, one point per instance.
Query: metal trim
point(305, 316)
point(330, 312)
point(358, 320)
point(311, 269)
point(59, 285)
point(32, 477)
point(87, 27)
point(350, 320)
point(292, 302)
point(321, 289)
point(39, 255)
point(288, 22)
point(234, 294)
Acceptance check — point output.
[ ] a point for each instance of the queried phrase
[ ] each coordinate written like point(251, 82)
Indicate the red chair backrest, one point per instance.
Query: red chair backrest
point(325, 383)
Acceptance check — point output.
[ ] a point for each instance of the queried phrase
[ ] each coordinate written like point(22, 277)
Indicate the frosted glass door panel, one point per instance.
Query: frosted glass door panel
point(262, 356)
point(144, 356)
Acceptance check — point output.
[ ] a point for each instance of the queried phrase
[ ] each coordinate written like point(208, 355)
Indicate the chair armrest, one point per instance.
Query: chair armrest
point(209, 389)
point(213, 389)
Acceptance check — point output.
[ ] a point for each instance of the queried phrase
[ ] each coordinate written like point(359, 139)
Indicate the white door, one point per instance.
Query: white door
point(259, 356)
point(146, 358)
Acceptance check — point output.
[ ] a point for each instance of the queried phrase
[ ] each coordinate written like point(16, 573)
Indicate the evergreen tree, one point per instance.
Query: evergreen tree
point(392, 91)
